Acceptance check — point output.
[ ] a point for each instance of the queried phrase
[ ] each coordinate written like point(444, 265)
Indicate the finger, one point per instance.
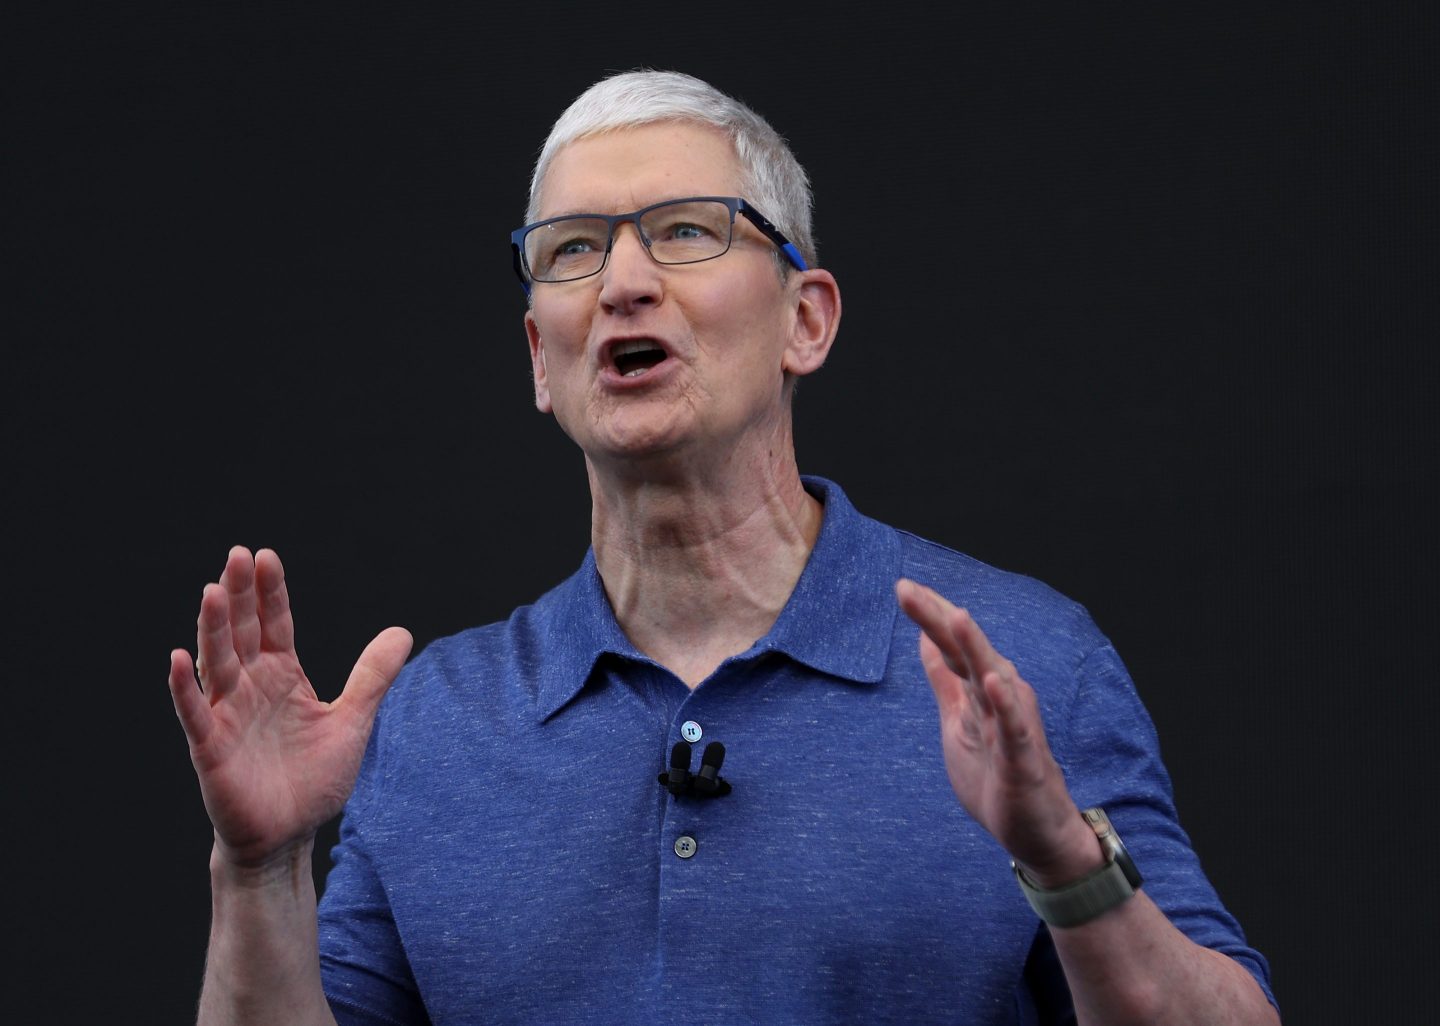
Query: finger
point(1018, 710)
point(1003, 683)
point(949, 691)
point(190, 705)
point(238, 580)
point(1015, 730)
point(374, 672)
point(927, 609)
point(216, 645)
point(941, 620)
point(277, 627)
point(972, 649)
point(979, 653)
point(930, 611)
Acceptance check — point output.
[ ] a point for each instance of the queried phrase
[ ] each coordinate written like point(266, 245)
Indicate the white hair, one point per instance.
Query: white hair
point(770, 176)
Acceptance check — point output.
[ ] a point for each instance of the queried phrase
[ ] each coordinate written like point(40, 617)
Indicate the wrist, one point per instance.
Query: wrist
point(1078, 856)
point(263, 963)
point(1078, 901)
point(282, 868)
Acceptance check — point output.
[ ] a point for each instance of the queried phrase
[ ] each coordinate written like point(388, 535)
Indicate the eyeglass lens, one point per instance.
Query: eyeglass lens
point(675, 233)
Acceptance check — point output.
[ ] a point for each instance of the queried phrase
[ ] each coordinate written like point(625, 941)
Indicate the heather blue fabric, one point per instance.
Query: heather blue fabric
point(508, 857)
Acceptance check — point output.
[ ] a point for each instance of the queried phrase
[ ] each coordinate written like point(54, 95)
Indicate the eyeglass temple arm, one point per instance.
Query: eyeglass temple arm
point(787, 247)
point(520, 268)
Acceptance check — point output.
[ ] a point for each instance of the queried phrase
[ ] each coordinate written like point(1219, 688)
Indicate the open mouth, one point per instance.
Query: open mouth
point(636, 356)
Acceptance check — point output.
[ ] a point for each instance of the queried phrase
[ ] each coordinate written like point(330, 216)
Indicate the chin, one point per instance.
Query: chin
point(638, 451)
point(637, 433)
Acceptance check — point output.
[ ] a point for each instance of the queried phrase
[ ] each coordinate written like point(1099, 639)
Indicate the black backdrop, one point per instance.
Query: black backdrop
point(1178, 361)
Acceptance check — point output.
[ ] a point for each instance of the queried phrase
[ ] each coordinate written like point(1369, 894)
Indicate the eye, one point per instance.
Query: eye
point(574, 246)
point(682, 231)
point(569, 247)
point(685, 233)
point(688, 221)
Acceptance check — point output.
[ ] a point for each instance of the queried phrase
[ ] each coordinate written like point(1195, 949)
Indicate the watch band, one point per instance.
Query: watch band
point(1086, 899)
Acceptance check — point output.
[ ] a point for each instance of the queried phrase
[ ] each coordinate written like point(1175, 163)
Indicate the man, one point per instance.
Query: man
point(507, 854)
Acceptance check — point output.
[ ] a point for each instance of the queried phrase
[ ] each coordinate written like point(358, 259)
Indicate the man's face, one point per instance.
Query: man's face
point(719, 336)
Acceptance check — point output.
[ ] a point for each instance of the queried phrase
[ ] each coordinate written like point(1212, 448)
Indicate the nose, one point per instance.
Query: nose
point(631, 278)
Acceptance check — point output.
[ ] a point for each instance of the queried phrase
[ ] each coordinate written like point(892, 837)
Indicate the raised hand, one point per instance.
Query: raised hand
point(996, 755)
point(274, 762)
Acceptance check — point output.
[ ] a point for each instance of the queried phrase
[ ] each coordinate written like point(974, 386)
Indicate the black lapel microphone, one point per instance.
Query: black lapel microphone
point(677, 781)
point(708, 783)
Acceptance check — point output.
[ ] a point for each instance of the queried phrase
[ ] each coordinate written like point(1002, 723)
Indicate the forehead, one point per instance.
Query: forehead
point(631, 167)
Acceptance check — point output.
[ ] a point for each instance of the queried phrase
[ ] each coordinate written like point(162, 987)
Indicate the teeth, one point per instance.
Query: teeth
point(638, 345)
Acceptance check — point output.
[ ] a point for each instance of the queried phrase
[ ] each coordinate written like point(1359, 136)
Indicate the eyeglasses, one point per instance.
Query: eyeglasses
point(682, 231)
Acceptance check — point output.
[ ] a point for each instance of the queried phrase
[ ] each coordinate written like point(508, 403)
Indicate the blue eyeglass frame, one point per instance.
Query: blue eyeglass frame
point(734, 203)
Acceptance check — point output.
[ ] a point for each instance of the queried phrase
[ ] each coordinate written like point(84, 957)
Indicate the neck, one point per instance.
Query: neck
point(698, 566)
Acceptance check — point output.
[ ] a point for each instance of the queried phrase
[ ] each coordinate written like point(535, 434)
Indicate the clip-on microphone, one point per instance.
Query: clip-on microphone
point(708, 783)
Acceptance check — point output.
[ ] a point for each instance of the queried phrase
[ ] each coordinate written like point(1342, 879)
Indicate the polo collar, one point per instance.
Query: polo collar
point(840, 616)
point(576, 626)
point(838, 620)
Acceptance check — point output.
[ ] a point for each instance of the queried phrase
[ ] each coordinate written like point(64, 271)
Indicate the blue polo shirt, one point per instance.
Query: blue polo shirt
point(508, 856)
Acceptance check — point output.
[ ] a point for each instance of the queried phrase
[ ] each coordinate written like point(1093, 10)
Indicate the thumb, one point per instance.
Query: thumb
point(375, 671)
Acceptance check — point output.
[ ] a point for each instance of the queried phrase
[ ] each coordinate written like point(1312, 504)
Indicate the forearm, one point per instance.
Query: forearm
point(263, 965)
point(1131, 965)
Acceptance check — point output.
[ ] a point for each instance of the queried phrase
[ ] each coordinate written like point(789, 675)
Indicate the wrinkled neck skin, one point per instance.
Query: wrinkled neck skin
point(699, 551)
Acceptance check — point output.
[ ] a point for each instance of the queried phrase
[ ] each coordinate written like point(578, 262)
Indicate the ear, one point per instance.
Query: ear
point(817, 319)
point(537, 363)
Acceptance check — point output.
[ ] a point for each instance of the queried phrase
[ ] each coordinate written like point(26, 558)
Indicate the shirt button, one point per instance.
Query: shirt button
point(691, 731)
point(685, 846)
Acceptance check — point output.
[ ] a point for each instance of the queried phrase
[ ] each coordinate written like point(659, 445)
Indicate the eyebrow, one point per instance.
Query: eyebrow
point(592, 212)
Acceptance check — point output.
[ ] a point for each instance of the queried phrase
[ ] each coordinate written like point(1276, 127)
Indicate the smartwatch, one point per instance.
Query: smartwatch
point(1093, 895)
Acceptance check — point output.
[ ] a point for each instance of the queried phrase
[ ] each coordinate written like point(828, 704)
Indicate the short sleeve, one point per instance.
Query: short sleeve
point(363, 965)
point(1110, 753)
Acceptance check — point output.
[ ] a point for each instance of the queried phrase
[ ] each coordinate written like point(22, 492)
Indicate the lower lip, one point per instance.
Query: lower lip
point(612, 379)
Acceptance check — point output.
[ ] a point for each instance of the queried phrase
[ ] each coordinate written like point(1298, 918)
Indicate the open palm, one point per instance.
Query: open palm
point(274, 762)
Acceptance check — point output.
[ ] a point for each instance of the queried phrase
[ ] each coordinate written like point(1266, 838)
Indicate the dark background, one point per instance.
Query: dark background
point(1140, 302)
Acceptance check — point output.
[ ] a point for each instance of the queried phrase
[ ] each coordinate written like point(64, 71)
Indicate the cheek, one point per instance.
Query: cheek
point(562, 337)
point(748, 320)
